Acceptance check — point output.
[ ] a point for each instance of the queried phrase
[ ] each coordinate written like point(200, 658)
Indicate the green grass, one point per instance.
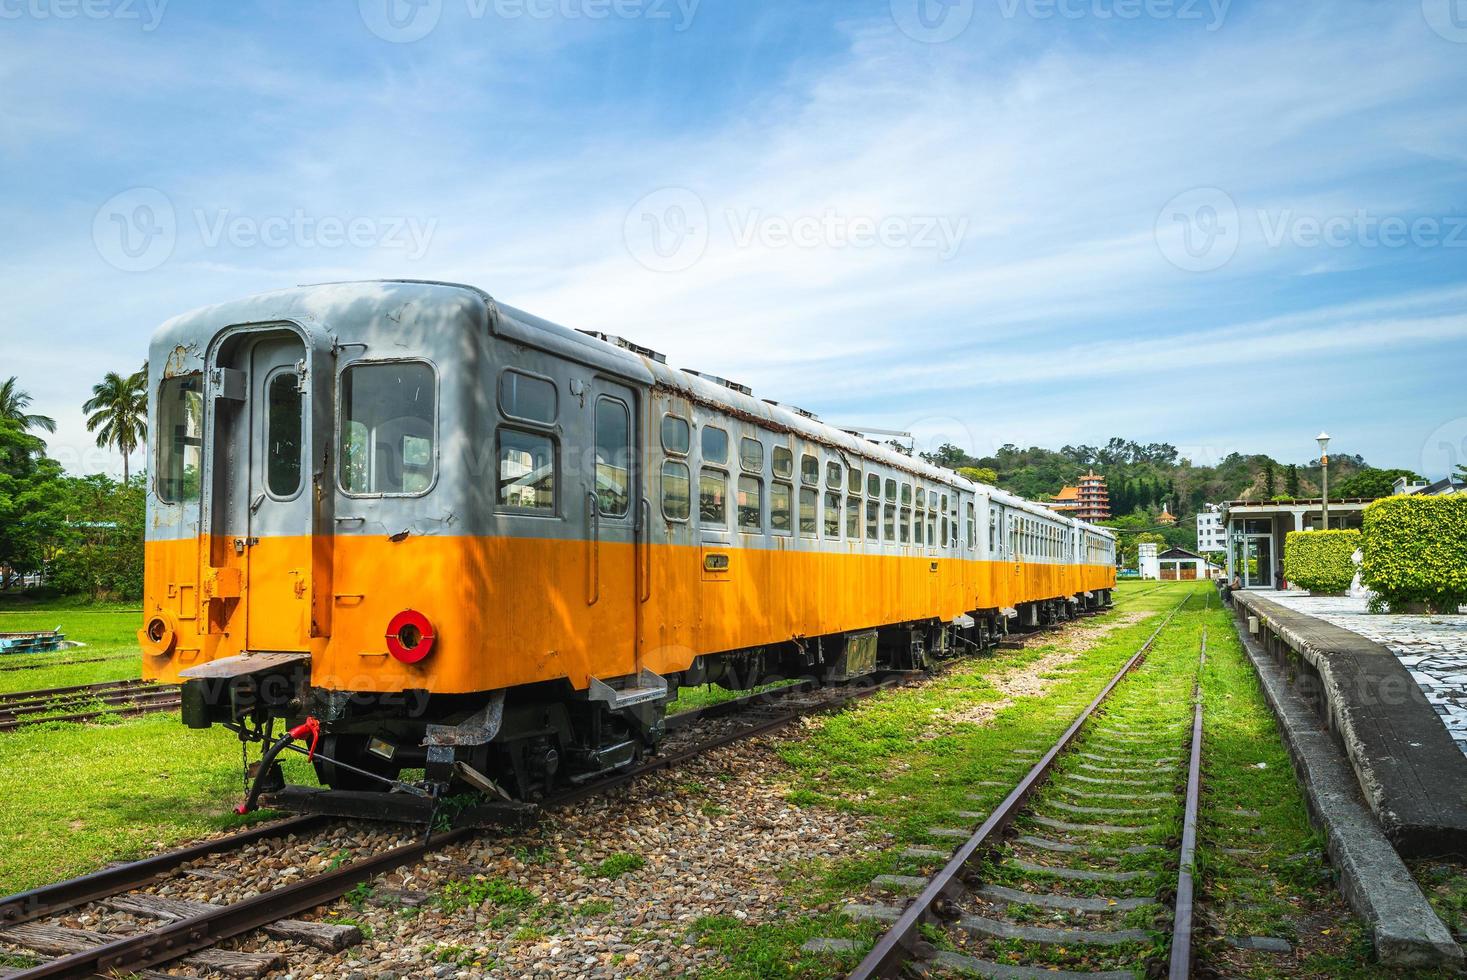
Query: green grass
point(618, 865)
point(73, 797)
point(109, 631)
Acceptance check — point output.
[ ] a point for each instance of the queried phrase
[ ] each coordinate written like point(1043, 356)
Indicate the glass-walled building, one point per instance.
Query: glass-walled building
point(1257, 529)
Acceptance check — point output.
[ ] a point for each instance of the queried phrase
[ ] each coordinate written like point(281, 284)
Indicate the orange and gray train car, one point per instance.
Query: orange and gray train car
point(465, 540)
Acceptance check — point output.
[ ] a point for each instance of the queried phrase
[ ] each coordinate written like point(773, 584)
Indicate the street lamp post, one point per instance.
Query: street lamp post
point(1323, 440)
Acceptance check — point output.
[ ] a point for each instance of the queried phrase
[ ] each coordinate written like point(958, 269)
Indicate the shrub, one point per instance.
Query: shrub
point(1321, 561)
point(1416, 551)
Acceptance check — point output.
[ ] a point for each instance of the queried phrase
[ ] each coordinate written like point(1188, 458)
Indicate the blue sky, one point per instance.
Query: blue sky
point(1221, 225)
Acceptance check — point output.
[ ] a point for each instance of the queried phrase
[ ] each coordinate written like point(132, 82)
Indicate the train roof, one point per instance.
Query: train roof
point(334, 302)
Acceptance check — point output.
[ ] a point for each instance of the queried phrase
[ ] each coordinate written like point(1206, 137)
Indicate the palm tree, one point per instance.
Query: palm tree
point(119, 407)
point(13, 404)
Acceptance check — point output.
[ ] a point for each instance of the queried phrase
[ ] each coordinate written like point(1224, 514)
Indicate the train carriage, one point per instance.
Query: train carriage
point(445, 535)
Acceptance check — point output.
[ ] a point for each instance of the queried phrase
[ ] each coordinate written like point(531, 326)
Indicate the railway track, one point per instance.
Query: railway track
point(1085, 867)
point(41, 664)
point(86, 702)
point(191, 932)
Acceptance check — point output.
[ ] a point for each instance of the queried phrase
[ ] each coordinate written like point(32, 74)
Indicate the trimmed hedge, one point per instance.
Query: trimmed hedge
point(1416, 551)
point(1321, 561)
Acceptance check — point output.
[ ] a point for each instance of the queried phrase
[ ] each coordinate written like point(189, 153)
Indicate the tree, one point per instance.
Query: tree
point(979, 474)
point(1461, 473)
point(1291, 480)
point(1270, 483)
point(1371, 483)
point(28, 482)
point(13, 405)
point(119, 407)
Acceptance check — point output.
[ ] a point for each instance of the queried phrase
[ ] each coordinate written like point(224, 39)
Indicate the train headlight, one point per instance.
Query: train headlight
point(410, 637)
point(158, 635)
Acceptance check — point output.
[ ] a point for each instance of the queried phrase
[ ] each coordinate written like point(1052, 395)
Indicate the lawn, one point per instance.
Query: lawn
point(108, 630)
point(74, 797)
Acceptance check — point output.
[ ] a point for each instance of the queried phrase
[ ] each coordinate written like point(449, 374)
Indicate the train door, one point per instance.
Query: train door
point(617, 511)
point(277, 546)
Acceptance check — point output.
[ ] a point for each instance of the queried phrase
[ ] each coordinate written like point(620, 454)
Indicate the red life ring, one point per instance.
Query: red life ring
point(410, 637)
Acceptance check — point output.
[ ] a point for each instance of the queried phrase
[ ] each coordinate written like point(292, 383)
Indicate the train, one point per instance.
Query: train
point(449, 546)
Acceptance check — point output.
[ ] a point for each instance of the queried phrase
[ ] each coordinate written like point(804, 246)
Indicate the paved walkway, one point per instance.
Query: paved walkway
point(1432, 648)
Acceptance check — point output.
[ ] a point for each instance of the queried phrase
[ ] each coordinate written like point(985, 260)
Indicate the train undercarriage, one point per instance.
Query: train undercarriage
point(407, 755)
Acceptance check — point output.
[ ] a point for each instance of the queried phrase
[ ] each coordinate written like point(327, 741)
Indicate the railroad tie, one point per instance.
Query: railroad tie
point(321, 935)
point(1062, 847)
point(1065, 903)
point(1086, 828)
point(926, 854)
point(1074, 874)
point(1105, 811)
point(873, 913)
point(994, 929)
point(63, 941)
point(959, 963)
point(899, 883)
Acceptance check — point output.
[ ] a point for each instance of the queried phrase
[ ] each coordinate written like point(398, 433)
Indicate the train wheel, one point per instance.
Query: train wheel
point(352, 750)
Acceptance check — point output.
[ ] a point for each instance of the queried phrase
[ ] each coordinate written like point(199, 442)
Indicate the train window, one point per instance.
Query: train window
point(834, 475)
point(526, 470)
point(284, 423)
point(888, 526)
point(944, 538)
point(387, 428)
point(780, 507)
point(931, 527)
point(809, 470)
point(526, 397)
point(677, 437)
point(713, 498)
point(873, 518)
point(832, 515)
point(993, 533)
point(917, 535)
point(783, 462)
point(853, 516)
point(809, 504)
point(715, 445)
point(891, 491)
point(751, 492)
point(751, 455)
point(904, 525)
point(180, 438)
point(613, 456)
point(676, 501)
point(873, 486)
point(921, 499)
point(854, 483)
point(972, 527)
point(906, 495)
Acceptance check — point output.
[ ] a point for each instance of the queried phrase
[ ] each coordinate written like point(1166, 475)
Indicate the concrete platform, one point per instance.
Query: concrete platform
point(1376, 883)
point(1409, 769)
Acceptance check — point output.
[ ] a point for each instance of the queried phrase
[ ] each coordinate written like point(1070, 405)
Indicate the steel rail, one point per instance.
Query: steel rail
point(132, 954)
point(1182, 916)
point(18, 697)
point(59, 663)
point(64, 895)
point(900, 941)
point(12, 724)
point(133, 696)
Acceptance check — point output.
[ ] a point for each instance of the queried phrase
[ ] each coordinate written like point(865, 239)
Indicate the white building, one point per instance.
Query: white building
point(1440, 488)
point(1212, 535)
